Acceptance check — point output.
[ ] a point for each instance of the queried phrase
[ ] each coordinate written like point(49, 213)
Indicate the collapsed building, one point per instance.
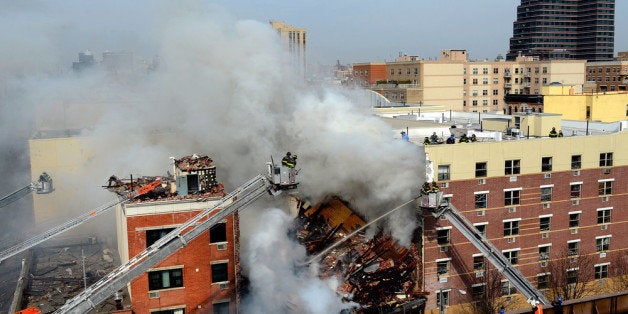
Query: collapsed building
point(377, 273)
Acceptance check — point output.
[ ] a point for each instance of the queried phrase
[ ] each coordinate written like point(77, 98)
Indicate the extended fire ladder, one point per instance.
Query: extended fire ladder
point(170, 243)
point(439, 207)
point(42, 186)
point(72, 223)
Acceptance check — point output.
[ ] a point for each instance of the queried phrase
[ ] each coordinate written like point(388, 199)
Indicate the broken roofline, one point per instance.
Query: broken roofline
point(194, 163)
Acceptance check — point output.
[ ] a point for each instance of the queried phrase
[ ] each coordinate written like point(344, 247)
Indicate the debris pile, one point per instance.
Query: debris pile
point(377, 273)
point(58, 273)
point(194, 178)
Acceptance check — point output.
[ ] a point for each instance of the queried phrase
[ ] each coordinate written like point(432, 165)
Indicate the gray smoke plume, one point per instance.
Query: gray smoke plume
point(221, 87)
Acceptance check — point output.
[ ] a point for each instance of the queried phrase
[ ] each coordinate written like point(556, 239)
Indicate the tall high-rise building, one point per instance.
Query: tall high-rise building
point(294, 40)
point(564, 29)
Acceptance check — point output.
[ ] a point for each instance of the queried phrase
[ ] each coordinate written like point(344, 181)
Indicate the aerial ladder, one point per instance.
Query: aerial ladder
point(273, 183)
point(433, 202)
point(75, 222)
point(43, 185)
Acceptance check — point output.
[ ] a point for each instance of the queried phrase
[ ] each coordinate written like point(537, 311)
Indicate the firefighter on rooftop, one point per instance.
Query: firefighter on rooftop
point(289, 160)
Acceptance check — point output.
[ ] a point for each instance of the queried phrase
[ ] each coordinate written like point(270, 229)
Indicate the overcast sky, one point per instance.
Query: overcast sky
point(362, 31)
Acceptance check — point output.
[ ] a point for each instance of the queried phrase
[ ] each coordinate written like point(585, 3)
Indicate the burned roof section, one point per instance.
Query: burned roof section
point(194, 163)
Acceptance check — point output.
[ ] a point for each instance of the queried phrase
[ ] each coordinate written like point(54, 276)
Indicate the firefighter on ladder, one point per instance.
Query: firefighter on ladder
point(289, 160)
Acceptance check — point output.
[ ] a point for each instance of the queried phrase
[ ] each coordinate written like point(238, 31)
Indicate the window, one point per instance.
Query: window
point(172, 311)
point(481, 228)
point(443, 172)
point(480, 169)
point(495, 70)
point(153, 235)
point(485, 102)
point(475, 70)
point(603, 215)
point(495, 92)
point(507, 288)
point(442, 297)
point(478, 291)
point(512, 166)
point(575, 190)
point(485, 92)
point(606, 159)
point(165, 279)
point(408, 71)
point(601, 271)
point(511, 197)
point(542, 281)
point(544, 252)
point(495, 80)
point(220, 272)
point(511, 228)
point(602, 243)
point(573, 248)
point(572, 275)
point(485, 71)
point(485, 81)
point(544, 80)
point(544, 70)
point(605, 187)
point(392, 71)
point(464, 81)
point(475, 81)
point(481, 200)
point(442, 268)
point(546, 194)
point(475, 103)
point(218, 233)
point(512, 256)
point(546, 164)
point(478, 263)
point(221, 308)
point(442, 236)
point(574, 220)
point(495, 102)
point(576, 162)
point(545, 223)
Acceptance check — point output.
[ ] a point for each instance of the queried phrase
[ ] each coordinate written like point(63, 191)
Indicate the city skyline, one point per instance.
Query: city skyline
point(349, 32)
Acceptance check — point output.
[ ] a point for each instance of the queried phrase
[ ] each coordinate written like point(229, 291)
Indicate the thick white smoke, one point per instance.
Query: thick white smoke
point(226, 88)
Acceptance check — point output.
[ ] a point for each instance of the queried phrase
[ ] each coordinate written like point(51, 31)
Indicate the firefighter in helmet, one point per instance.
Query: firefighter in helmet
point(289, 160)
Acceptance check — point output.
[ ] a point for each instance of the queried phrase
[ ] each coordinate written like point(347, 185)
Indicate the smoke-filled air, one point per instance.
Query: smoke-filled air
point(203, 82)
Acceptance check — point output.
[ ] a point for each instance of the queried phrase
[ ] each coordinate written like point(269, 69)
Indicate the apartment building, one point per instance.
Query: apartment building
point(574, 104)
point(201, 277)
point(609, 76)
point(564, 29)
point(458, 84)
point(294, 39)
point(546, 203)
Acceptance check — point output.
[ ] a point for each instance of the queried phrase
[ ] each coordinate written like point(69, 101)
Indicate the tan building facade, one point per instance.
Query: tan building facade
point(458, 84)
point(294, 38)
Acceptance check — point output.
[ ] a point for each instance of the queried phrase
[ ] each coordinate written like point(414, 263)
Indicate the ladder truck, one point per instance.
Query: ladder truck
point(75, 222)
point(273, 183)
point(434, 203)
point(43, 185)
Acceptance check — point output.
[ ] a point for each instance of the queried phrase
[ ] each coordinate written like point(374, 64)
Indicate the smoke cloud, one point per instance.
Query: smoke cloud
point(202, 82)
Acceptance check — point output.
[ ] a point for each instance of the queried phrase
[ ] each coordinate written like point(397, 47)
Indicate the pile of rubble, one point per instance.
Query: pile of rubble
point(60, 272)
point(377, 273)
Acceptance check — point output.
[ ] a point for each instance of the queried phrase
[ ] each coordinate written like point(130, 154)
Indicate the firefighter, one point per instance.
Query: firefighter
point(473, 138)
point(558, 306)
point(289, 160)
point(553, 132)
point(426, 141)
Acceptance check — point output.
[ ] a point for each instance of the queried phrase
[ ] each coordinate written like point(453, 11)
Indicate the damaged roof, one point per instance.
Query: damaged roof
point(194, 163)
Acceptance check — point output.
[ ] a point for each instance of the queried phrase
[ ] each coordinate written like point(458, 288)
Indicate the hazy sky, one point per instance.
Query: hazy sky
point(361, 31)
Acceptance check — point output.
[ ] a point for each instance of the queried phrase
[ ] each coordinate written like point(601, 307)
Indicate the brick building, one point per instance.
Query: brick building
point(541, 202)
point(609, 76)
point(202, 276)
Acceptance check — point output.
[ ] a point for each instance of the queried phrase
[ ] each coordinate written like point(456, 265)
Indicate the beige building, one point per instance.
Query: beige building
point(294, 38)
point(474, 86)
point(575, 105)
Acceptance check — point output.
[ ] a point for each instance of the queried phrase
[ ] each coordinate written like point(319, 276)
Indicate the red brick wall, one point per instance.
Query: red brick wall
point(376, 72)
point(195, 257)
point(461, 250)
